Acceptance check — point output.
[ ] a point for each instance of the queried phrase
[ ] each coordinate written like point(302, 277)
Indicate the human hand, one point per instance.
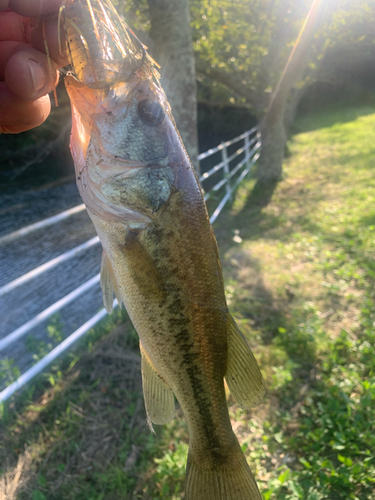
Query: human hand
point(26, 76)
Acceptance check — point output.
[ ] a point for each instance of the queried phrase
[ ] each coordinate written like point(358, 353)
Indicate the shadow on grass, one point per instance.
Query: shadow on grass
point(251, 219)
point(254, 222)
point(270, 316)
point(261, 195)
point(368, 220)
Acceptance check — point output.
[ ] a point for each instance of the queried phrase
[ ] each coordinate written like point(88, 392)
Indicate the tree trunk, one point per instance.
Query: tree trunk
point(292, 106)
point(273, 148)
point(274, 138)
point(173, 50)
point(273, 126)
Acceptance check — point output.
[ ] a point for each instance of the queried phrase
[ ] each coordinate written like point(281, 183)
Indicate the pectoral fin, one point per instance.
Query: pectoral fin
point(108, 284)
point(243, 376)
point(159, 399)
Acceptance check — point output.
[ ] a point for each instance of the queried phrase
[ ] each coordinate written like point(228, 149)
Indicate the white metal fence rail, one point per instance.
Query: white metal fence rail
point(250, 152)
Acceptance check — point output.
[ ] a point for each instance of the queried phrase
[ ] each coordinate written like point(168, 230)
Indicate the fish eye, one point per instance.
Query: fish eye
point(150, 112)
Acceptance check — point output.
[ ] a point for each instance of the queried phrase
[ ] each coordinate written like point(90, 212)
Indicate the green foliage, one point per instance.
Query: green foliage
point(37, 495)
point(9, 372)
point(40, 348)
point(252, 40)
point(170, 472)
point(225, 31)
point(335, 439)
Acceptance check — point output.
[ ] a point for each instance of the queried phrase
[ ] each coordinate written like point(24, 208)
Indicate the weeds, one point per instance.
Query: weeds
point(9, 372)
point(40, 348)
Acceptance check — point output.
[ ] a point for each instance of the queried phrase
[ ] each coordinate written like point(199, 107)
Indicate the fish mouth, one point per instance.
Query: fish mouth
point(102, 49)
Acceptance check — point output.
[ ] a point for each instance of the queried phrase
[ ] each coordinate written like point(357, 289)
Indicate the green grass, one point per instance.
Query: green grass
point(299, 268)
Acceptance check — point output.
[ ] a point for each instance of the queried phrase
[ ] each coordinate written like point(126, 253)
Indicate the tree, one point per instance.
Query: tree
point(173, 50)
point(273, 123)
point(245, 45)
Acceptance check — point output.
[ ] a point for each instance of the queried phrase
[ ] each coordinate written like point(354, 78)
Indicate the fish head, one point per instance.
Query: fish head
point(123, 134)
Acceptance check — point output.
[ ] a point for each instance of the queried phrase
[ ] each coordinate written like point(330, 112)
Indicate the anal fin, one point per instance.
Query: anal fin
point(159, 399)
point(243, 375)
point(108, 284)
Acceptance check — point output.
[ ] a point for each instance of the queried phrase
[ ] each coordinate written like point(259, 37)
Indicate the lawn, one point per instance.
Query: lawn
point(298, 261)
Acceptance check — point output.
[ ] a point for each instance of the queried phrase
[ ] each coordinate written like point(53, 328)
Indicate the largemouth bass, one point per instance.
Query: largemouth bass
point(160, 256)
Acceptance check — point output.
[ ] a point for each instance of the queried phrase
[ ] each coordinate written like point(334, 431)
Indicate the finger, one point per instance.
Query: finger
point(4, 4)
point(7, 49)
point(13, 27)
point(49, 34)
point(17, 115)
point(34, 8)
point(28, 75)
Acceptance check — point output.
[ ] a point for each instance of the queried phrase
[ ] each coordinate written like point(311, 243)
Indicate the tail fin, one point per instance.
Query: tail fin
point(230, 481)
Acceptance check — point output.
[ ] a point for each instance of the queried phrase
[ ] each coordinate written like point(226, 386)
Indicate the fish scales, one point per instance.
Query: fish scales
point(160, 256)
point(194, 310)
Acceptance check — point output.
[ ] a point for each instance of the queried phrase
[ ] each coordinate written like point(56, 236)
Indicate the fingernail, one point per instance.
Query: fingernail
point(37, 74)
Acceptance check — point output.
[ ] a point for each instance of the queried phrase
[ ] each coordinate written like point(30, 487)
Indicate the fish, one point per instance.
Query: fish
point(160, 256)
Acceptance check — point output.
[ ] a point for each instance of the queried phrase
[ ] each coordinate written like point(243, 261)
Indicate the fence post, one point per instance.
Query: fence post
point(259, 136)
point(246, 144)
point(224, 156)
